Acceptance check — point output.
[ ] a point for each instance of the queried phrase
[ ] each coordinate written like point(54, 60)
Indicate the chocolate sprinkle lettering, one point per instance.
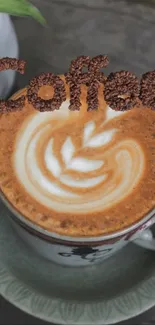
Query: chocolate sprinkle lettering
point(147, 90)
point(18, 104)
point(46, 104)
point(121, 90)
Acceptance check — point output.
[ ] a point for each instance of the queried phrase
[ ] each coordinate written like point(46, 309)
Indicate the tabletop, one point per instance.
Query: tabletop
point(123, 29)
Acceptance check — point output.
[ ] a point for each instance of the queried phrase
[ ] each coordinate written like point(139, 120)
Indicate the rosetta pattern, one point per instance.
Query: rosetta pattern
point(86, 173)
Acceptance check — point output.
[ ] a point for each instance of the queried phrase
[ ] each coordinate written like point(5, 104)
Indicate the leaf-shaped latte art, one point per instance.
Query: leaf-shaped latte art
point(84, 183)
point(84, 165)
point(51, 162)
point(101, 139)
point(77, 166)
point(67, 150)
point(87, 132)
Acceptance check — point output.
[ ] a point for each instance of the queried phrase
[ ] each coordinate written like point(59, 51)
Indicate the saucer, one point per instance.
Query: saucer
point(119, 288)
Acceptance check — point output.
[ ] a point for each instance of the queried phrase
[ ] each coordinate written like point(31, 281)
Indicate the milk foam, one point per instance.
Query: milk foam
point(67, 177)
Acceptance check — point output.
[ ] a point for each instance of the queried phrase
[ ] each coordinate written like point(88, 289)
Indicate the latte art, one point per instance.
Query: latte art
point(76, 175)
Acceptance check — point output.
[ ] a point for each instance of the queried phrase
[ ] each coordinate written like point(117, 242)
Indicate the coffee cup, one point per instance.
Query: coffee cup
point(65, 250)
point(79, 185)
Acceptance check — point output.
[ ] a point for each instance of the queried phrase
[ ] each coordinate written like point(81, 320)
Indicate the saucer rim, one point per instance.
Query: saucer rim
point(88, 321)
point(80, 313)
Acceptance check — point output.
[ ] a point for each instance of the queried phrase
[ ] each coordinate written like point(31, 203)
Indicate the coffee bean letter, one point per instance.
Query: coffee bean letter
point(121, 90)
point(91, 78)
point(96, 77)
point(147, 89)
point(50, 104)
point(17, 104)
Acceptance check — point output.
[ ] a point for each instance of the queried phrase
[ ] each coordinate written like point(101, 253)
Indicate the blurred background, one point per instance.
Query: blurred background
point(125, 30)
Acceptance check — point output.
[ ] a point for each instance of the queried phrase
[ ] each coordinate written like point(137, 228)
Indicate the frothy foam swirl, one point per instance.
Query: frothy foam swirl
point(82, 170)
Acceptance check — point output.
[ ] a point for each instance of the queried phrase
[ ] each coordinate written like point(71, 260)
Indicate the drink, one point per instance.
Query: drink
point(79, 173)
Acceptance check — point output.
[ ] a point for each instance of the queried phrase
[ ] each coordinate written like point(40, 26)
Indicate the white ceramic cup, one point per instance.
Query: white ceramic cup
point(78, 251)
point(9, 48)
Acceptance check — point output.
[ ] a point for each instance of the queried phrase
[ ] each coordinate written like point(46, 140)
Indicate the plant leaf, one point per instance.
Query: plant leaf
point(21, 8)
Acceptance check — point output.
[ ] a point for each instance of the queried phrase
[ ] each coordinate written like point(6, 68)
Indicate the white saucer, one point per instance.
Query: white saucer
point(120, 288)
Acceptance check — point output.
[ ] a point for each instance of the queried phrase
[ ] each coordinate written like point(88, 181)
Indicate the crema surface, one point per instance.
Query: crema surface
point(79, 173)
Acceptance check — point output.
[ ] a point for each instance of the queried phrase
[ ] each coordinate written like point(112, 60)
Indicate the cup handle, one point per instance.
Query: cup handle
point(145, 239)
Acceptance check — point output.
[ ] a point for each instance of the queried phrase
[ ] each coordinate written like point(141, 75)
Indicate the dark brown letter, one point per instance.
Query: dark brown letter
point(17, 104)
point(92, 78)
point(147, 89)
point(41, 104)
point(121, 90)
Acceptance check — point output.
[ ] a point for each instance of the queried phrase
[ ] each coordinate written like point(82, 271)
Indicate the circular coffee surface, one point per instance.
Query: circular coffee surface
point(79, 173)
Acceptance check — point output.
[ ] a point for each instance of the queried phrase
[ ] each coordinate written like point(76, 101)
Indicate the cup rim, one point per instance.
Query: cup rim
point(64, 238)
